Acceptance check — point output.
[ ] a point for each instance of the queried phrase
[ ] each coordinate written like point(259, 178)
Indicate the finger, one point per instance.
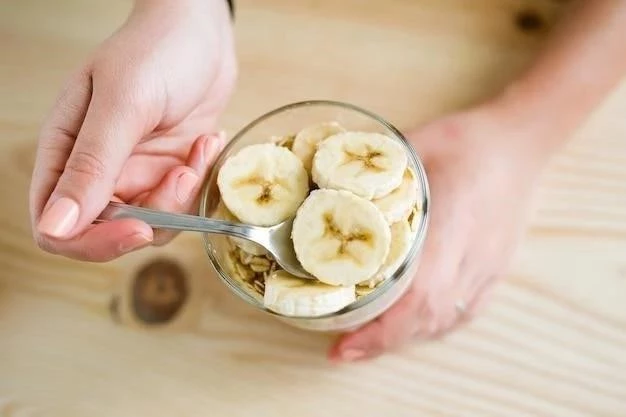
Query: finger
point(482, 298)
point(144, 172)
point(103, 242)
point(480, 295)
point(56, 140)
point(107, 136)
point(419, 310)
point(134, 186)
point(390, 330)
point(178, 190)
point(205, 151)
point(456, 309)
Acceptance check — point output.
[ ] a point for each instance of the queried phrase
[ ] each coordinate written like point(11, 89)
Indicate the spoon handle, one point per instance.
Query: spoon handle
point(164, 220)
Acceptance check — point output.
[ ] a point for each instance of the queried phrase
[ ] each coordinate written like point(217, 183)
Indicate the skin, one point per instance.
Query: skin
point(478, 216)
point(129, 126)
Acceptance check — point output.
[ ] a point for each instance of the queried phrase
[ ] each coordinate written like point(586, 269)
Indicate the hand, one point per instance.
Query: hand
point(134, 125)
point(481, 180)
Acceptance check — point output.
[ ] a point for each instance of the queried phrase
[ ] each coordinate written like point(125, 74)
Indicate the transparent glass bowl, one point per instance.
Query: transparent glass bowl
point(288, 120)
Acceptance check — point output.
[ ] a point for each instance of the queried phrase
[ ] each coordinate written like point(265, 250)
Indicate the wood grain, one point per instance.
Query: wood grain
point(552, 342)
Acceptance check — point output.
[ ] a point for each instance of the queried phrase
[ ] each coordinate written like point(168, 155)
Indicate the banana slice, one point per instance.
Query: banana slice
point(306, 141)
point(363, 291)
point(245, 245)
point(291, 296)
point(401, 240)
point(284, 141)
point(415, 217)
point(222, 213)
point(399, 203)
point(370, 165)
point(340, 238)
point(263, 184)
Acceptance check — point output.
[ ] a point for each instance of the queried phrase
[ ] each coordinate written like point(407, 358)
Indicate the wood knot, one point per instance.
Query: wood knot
point(159, 291)
point(529, 21)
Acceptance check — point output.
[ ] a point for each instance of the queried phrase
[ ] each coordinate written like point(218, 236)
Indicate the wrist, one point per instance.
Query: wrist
point(499, 133)
point(532, 125)
point(202, 7)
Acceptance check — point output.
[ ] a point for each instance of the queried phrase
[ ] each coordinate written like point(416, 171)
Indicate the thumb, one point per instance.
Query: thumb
point(106, 139)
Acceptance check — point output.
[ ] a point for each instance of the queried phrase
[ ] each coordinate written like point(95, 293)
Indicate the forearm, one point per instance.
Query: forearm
point(581, 63)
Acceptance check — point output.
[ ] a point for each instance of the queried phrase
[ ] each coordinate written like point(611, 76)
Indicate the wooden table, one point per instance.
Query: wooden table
point(552, 343)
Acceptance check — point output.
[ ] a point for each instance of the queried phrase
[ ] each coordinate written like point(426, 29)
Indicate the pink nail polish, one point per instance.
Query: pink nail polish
point(134, 242)
point(185, 186)
point(352, 354)
point(60, 218)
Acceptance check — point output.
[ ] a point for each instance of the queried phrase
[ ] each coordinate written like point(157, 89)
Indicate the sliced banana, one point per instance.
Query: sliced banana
point(340, 238)
point(399, 203)
point(415, 217)
point(370, 165)
point(363, 291)
point(306, 141)
point(263, 184)
point(245, 245)
point(401, 240)
point(291, 296)
point(221, 212)
point(284, 141)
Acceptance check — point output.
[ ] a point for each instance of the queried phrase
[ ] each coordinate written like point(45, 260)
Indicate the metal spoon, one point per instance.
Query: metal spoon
point(275, 239)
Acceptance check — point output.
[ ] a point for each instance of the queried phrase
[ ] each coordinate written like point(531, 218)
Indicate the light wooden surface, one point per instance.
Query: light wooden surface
point(552, 343)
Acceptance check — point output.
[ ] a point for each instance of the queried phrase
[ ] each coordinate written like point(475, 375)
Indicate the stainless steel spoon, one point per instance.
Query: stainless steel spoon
point(275, 239)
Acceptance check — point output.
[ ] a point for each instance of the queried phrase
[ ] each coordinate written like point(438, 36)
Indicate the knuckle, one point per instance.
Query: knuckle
point(122, 81)
point(83, 163)
point(88, 252)
point(89, 255)
point(82, 252)
point(56, 139)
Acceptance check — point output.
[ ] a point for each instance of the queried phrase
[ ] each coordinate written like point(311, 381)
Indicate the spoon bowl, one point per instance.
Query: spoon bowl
point(275, 239)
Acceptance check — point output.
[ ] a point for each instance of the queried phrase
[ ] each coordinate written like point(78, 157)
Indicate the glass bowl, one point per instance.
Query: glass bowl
point(288, 120)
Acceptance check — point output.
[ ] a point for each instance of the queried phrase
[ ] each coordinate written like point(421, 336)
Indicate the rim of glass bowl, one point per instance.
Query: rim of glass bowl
point(418, 242)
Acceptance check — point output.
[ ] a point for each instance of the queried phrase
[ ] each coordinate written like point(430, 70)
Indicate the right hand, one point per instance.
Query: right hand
point(482, 171)
point(135, 124)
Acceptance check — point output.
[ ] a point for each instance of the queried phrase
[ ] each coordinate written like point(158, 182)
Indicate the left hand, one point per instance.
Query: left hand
point(481, 176)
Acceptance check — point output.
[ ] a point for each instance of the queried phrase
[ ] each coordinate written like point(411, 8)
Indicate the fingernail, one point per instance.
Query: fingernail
point(352, 354)
point(134, 242)
point(60, 218)
point(185, 185)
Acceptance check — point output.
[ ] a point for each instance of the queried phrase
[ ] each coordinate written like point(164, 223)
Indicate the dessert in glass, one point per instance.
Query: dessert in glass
point(358, 196)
